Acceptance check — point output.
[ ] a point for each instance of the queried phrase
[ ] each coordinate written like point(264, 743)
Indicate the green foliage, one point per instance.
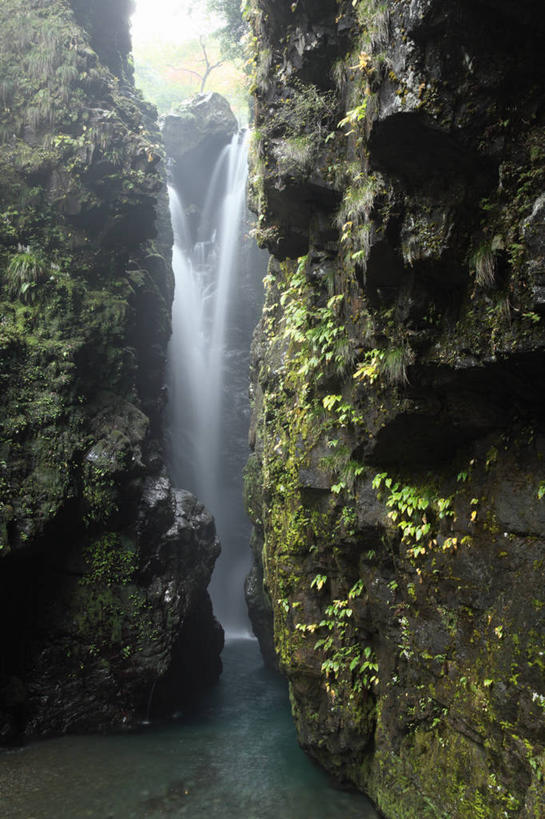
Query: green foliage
point(295, 155)
point(391, 364)
point(49, 70)
point(533, 317)
point(354, 116)
point(344, 412)
point(358, 198)
point(353, 217)
point(483, 263)
point(284, 603)
point(416, 512)
point(356, 589)
point(303, 111)
point(369, 369)
point(373, 17)
point(169, 73)
point(319, 581)
point(111, 560)
point(317, 333)
point(394, 365)
point(348, 660)
point(342, 467)
point(68, 116)
point(112, 613)
point(235, 31)
point(25, 270)
point(99, 495)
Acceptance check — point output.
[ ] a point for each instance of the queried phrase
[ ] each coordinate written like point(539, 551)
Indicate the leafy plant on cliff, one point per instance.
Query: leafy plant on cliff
point(295, 154)
point(24, 271)
point(343, 411)
point(357, 77)
point(348, 658)
point(394, 365)
point(374, 19)
point(110, 559)
point(354, 215)
point(417, 513)
point(390, 363)
point(484, 264)
point(111, 610)
point(358, 198)
point(320, 338)
point(304, 110)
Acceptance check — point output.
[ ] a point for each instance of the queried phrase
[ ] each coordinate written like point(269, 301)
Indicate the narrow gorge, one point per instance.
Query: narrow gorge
point(393, 500)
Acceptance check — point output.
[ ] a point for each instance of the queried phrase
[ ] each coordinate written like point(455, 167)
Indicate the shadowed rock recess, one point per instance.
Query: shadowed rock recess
point(103, 565)
point(397, 483)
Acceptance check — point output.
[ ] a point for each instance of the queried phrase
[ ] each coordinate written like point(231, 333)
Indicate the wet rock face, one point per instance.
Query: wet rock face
point(193, 137)
point(205, 117)
point(397, 484)
point(140, 657)
point(103, 567)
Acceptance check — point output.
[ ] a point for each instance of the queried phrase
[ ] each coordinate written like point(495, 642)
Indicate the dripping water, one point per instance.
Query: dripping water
point(147, 721)
point(207, 417)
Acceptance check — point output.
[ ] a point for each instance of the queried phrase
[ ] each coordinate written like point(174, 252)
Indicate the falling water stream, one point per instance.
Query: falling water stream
point(236, 756)
point(207, 370)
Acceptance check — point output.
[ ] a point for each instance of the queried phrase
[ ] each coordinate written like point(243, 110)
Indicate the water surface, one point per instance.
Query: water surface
point(237, 758)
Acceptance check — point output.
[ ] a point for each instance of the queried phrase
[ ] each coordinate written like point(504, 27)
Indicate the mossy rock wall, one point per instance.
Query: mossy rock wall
point(397, 482)
point(93, 596)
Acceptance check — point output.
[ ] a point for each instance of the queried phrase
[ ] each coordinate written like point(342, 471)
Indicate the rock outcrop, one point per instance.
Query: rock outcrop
point(194, 135)
point(397, 483)
point(199, 127)
point(103, 566)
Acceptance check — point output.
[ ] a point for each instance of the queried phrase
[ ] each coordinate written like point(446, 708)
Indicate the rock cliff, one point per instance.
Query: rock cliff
point(397, 484)
point(194, 136)
point(103, 565)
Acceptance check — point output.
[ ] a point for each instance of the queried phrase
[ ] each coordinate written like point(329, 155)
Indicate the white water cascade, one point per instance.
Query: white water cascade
point(205, 384)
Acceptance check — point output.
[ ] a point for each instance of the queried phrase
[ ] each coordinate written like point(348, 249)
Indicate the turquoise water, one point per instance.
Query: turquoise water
point(236, 758)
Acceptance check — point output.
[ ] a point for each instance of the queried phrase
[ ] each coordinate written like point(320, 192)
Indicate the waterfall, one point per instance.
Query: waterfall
point(207, 369)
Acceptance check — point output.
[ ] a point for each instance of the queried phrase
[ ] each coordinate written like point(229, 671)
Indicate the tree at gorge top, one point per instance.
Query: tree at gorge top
point(235, 27)
point(176, 61)
point(205, 68)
